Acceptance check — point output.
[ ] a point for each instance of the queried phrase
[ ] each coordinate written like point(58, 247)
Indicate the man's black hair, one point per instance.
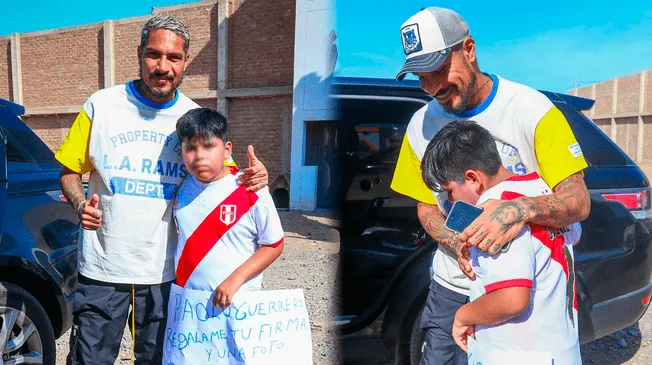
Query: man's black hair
point(459, 146)
point(202, 122)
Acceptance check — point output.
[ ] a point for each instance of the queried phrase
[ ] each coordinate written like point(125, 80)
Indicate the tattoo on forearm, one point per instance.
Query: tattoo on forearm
point(508, 214)
point(433, 223)
point(72, 188)
point(569, 204)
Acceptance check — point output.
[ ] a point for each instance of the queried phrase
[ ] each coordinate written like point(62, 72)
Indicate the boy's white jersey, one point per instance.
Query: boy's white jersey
point(539, 258)
point(221, 225)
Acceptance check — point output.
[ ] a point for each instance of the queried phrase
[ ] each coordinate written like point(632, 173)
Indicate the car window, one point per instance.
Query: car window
point(379, 137)
point(13, 155)
point(18, 158)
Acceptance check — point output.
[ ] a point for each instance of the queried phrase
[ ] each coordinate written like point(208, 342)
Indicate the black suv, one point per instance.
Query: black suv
point(386, 257)
point(38, 245)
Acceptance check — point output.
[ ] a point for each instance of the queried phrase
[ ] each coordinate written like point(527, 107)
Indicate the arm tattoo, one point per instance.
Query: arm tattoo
point(71, 185)
point(570, 203)
point(508, 214)
point(433, 222)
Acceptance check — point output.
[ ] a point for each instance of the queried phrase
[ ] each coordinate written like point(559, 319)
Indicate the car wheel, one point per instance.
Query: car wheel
point(417, 339)
point(26, 335)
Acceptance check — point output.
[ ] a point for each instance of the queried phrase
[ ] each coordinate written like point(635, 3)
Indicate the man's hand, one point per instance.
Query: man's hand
point(461, 332)
point(501, 222)
point(90, 216)
point(255, 176)
point(223, 296)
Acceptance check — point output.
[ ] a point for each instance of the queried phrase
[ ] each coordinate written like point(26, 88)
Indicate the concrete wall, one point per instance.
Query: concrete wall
point(623, 110)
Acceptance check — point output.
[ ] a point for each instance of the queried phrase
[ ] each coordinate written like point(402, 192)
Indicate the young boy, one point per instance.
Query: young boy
point(524, 298)
point(227, 236)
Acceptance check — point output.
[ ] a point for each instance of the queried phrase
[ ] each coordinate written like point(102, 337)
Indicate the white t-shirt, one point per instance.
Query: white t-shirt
point(220, 226)
point(134, 150)
point(539, 258)
point(513, 114)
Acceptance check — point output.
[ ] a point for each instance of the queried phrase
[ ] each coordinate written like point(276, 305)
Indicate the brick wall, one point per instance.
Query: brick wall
point(5, 69)
point(648, 92)
point(51, 128)
point(261, 48)
point(603, 93)
point(62, 68)
point(259, 122)
point(627, 93)
point(126, 39)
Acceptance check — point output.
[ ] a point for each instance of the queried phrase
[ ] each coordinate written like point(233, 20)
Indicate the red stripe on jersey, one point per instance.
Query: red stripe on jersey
point(507, 284)
point(211, 230)
point(555, 245)
point(275, 244)
point(233, 169)
point(527, 177)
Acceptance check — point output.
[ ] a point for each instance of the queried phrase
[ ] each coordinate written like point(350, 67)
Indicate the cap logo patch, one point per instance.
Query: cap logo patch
point(411, 39)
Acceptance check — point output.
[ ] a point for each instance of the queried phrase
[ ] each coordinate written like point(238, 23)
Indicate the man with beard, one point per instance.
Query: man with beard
point(531, 135)
point(125, 137)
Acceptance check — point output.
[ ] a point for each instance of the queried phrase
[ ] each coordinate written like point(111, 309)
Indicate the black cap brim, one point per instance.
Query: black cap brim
point(423, 63)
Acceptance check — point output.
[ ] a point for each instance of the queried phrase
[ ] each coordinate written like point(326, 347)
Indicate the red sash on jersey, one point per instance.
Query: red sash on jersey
point(555, 244)
point(211, 230)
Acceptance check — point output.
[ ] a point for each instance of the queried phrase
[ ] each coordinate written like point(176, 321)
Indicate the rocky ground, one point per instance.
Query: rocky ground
point(309, 261)
point(632, 346)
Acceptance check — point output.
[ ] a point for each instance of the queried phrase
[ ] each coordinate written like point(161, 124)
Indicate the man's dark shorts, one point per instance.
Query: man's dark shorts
point(101, 311)
point(437, 322)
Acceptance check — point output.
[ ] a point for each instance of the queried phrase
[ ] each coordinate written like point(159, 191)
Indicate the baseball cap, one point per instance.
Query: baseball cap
point(428, 37)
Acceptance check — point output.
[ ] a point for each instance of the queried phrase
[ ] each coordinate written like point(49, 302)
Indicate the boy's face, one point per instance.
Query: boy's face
point(204, 157)
point(469, 190)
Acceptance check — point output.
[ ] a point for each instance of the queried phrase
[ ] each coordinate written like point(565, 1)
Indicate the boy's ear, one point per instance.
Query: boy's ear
point(228, 149)
point(473, 177)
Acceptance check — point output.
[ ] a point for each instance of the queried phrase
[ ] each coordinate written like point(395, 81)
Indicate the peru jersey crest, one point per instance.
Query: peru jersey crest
point(227, 213)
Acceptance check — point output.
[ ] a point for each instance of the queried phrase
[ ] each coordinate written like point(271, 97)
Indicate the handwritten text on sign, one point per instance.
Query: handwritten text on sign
point(260, 327)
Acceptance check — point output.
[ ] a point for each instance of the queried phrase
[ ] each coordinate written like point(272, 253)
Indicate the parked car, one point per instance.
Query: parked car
point(385, 255)
point(38, 245)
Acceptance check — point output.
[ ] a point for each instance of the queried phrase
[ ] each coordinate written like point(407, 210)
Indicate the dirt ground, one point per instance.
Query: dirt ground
point(309, 261)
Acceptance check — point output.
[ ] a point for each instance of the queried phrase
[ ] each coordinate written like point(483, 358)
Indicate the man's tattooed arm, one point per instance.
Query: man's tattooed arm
point(71, 185)
point(503, 220)
point(433, 222)
point(569, 204)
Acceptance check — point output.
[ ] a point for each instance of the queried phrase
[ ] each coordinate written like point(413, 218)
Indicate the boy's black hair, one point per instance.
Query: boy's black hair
point(459, 146)
point(202, 122)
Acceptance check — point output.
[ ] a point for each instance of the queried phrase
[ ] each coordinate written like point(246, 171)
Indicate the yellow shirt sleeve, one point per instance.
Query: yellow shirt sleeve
point(73, 152)
point(558, 153)
point(407, 178)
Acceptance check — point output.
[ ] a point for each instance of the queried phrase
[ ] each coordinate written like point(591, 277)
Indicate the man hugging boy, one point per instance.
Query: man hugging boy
point(523, 299)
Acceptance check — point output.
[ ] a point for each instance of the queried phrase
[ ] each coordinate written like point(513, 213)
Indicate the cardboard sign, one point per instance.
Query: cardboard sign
point(260, 327)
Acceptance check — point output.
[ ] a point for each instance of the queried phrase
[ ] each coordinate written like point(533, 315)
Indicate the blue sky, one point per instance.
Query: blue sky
point(542, 44)
point(20, 16)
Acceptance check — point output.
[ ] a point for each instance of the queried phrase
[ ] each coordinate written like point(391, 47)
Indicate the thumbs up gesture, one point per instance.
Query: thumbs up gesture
point(90, 215)
point(255, 176)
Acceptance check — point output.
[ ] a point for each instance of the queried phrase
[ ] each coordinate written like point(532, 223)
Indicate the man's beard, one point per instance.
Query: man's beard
point(465, 95)
point(156, 93)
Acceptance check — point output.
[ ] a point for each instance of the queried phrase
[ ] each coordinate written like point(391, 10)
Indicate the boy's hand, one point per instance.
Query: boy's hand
point(255, 176)
point(223, 295)
point(463, 257)
point(461, 332)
